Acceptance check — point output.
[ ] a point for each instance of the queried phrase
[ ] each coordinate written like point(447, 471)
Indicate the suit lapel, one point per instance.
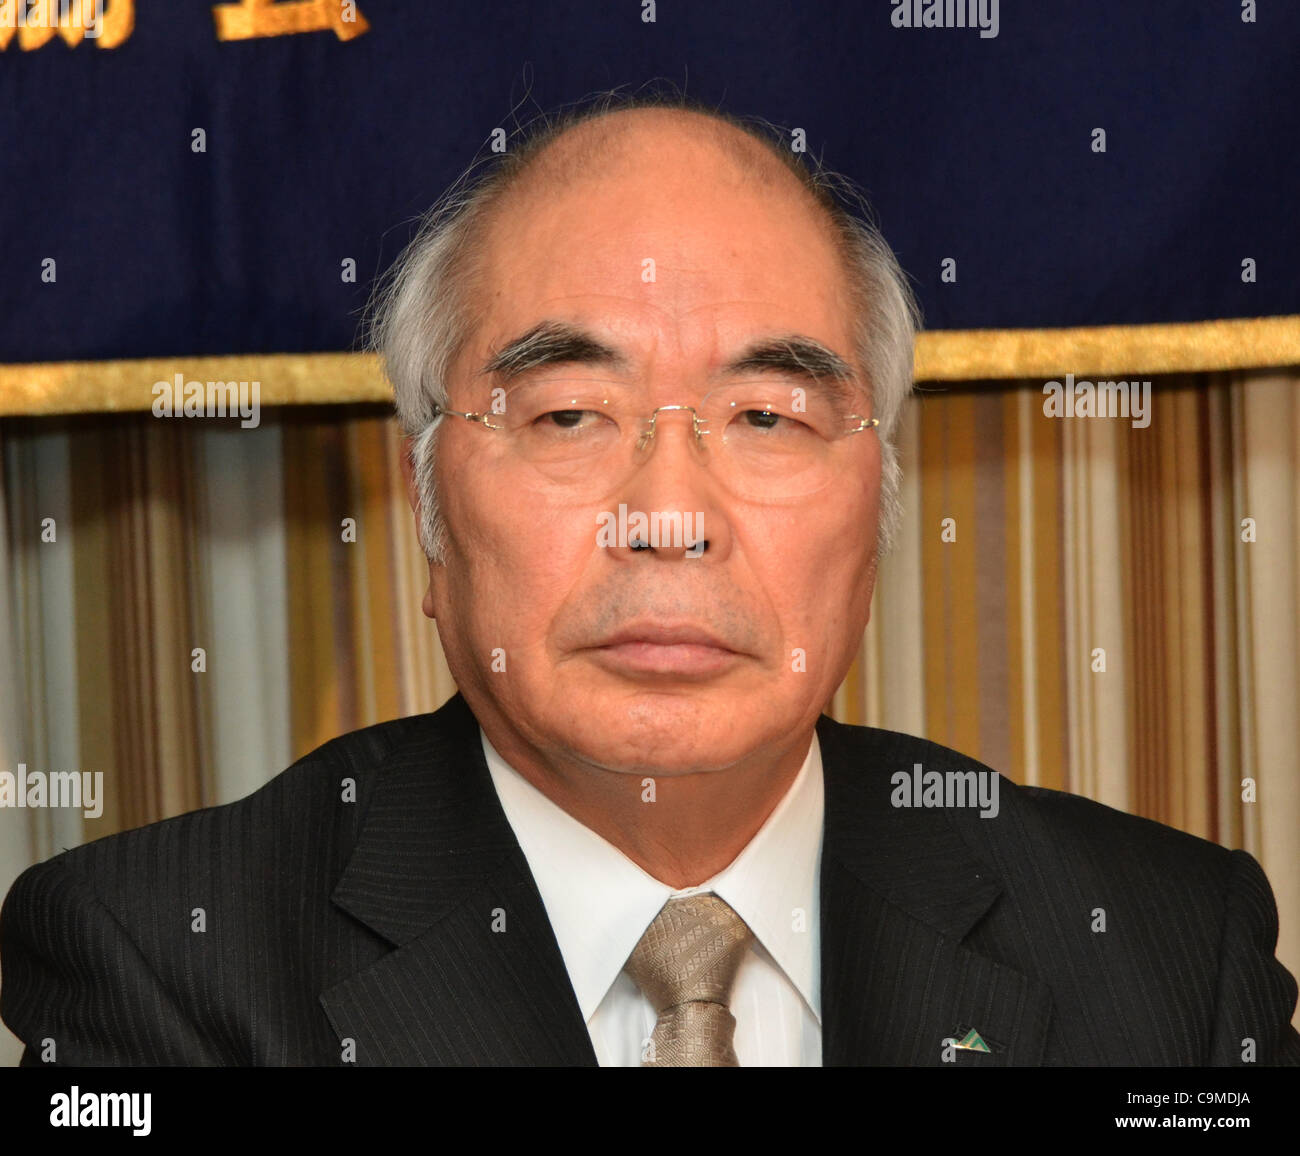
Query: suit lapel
point(476, 975)
point(900, 890)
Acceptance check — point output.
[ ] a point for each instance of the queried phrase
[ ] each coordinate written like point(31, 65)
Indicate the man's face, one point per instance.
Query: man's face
point(528, 603)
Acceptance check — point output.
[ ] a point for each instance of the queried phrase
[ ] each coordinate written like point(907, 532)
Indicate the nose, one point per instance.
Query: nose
point(674, 505)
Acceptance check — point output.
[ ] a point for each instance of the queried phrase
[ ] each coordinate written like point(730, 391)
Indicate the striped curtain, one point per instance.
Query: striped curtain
point(1078, 603)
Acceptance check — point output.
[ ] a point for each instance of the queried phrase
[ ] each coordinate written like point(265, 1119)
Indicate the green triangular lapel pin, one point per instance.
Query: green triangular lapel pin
point(972, 1042)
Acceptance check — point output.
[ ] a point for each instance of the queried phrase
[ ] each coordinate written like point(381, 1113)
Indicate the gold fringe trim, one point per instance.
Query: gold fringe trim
point(1112, 350)
point(953, 355)
point(121, 386)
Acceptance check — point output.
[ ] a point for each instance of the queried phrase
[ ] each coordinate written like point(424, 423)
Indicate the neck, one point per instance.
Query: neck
point(692, 826)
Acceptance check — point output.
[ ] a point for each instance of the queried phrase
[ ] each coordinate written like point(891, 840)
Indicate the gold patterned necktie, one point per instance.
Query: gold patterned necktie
point(686, 965)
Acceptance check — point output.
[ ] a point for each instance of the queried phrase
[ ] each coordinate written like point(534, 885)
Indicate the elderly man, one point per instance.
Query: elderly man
point(650, 368)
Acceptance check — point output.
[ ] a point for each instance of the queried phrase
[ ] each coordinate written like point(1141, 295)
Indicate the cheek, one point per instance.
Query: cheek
point(815, 561)
point(828, 533)
point(515, 561)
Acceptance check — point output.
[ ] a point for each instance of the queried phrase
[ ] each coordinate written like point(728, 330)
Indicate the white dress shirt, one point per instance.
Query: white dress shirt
point(600, 903)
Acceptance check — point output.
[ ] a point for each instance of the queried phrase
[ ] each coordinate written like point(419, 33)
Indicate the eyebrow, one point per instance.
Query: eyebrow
point(551, 343)
point(792, 353)
point(559, 342)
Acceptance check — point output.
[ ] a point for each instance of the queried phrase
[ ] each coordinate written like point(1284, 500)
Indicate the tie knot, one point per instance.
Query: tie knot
point(690, 952)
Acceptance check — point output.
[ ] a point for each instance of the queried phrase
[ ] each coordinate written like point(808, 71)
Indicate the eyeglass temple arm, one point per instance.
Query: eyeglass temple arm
point(479, 418)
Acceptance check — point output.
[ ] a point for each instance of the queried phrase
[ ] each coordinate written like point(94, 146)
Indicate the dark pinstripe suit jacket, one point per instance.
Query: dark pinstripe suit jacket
point(371, 921)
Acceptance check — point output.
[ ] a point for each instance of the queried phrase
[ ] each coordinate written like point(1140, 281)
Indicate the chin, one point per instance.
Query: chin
point(671, 731)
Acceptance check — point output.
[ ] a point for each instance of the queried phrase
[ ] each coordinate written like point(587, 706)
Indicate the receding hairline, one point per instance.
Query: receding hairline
point(611, 132)
point(577, 150)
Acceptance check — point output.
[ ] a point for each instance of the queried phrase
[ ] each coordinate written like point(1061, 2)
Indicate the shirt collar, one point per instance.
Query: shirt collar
point(773, 884)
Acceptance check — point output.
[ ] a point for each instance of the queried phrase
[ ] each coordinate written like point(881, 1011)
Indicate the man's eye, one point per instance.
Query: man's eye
point(762, 418)
point(768, 419)
point(566, 418)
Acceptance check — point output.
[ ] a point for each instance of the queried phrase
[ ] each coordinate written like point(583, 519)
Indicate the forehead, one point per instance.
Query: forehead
point(668, 244)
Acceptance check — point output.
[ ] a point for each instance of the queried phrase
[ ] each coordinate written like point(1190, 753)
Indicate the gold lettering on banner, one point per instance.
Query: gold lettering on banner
point(250, 18)
point(107, 22)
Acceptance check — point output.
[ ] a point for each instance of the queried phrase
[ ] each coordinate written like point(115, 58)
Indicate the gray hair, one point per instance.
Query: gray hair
point(419, 312)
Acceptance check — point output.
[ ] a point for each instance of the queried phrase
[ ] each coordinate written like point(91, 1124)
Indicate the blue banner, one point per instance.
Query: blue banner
point(183, 177)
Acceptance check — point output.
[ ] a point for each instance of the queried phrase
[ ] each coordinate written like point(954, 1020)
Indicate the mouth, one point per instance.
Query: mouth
point(655, 648)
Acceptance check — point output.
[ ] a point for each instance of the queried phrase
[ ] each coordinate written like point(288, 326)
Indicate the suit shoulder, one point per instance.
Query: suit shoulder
point(302, 798)
point(1119, 833)
point(1056, 826)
